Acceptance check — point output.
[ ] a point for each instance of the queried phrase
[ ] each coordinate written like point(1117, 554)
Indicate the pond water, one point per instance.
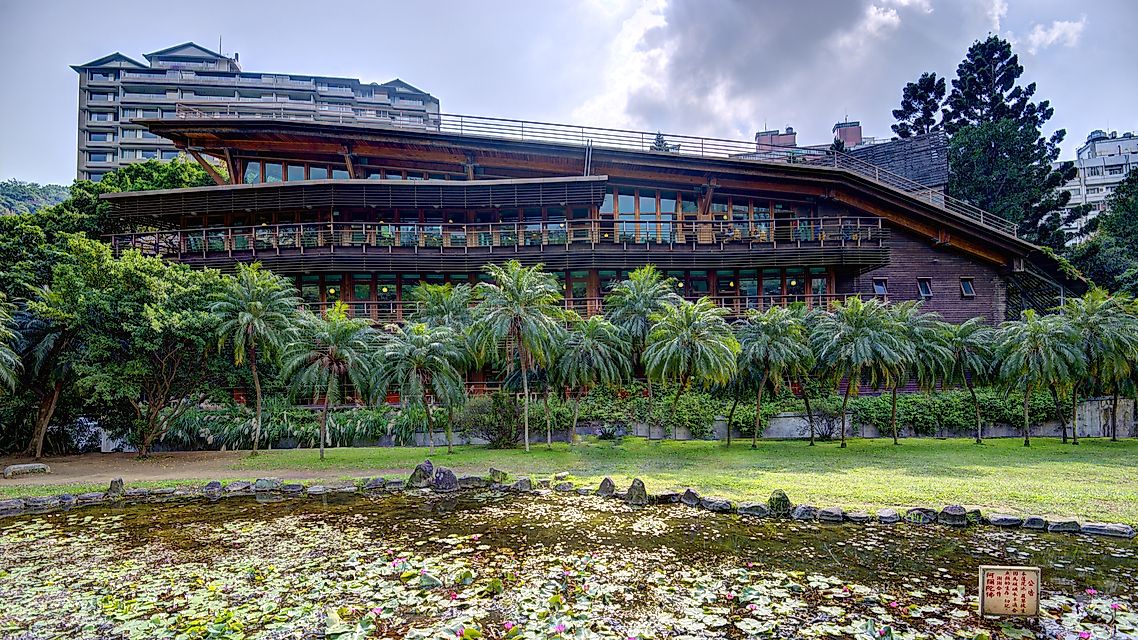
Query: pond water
point(492, 565)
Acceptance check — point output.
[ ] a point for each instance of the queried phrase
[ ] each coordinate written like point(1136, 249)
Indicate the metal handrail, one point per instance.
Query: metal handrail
point(629, 140)
point(821, 232)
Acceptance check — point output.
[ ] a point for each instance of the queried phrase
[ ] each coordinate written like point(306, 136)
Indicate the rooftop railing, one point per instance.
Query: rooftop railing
point(629, 140)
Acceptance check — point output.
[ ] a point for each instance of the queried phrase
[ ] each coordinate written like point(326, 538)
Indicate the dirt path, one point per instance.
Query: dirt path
point(100, 468)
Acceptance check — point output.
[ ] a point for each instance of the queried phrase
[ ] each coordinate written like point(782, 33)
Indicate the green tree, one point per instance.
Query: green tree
point(971, 344)
point(925, 353)
point(595, 353)
point(47, 349)
point(633, 301)
point(521, 311)
point(690, 342)
point(855, 340)
point(920, 106)
point(660, 143)
point(330, 353)
point(1035, 352)
point(773, 344)
point(27, 197)
point(1108, 337)
point(422, 363)
point(9, 361)
point(986, 89)
point(256, 311)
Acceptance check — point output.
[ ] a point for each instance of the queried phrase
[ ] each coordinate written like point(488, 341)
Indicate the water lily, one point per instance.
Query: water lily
point(1084, 634)
point(894, 604)
point(1092, 592)
point(1114, 606)
point(559, 628)
point(508, 625)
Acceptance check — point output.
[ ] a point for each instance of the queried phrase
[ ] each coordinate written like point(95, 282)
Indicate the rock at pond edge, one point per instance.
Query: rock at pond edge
point(920, 515)
point(1064, 526)
point(832, 515)
point(636, 494)
point(690, 497)
point(953, 515)
point(888, 516)
point(267, 484)
point(607, 488)
point(804, 512)
point(14, 470)
point(1038, 523)
point(1108, 529)
point(860, 517)
point(421, 476)
point(523, 485)
point(716, 505)
point(566, 487)
point(472, 482)
point(753, 509)
point(1004, 520)
point(444, 480)
point(779, 504)
point(497, 475)
point(115, 491)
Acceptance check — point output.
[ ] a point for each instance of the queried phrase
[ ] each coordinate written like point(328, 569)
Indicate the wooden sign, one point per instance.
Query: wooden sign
point(1009, 591)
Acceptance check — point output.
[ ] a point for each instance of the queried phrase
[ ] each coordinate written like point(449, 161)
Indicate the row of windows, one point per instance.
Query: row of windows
point(925, 287)
point(133, 154)
point(257, 171)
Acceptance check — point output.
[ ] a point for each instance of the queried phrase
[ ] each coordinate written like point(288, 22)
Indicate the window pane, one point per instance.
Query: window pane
point(273, 172)
point(295, 172)
point(606, 205)
point(925, 287)
point(647, 203)
point(880, 286)
point(626, 203)
point(340, 174)
point(795, 282)
point(253, 173)
point(318, 173)
point(966, 288)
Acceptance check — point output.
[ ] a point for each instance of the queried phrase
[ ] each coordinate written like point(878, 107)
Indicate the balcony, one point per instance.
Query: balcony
point(861, 243)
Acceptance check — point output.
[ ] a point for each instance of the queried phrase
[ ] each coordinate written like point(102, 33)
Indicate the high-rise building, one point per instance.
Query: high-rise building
point(1102, 163)
point(115, 90)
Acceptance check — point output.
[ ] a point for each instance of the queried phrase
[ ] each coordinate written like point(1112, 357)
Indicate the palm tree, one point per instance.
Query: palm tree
point(422, 362)
point(595, 353)
point(690, 342)
point(772, 344)
point(443, 305)
point(633, 301)
point(257, 311)
point(971, 345)
point(1033, 352)
point(9, 361)
point(1108, 340)
point(925, 352)
point(521, 312)
point(330, 353)
point(855, 339)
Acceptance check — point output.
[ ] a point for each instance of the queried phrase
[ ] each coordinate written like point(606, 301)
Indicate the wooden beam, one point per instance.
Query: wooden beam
point(231, 166)
point(217, 177)
point(351, 166)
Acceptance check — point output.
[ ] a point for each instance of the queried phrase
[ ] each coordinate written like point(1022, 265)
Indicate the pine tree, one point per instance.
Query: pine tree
point(920, 106)
point(985, 90)
point(661, 143)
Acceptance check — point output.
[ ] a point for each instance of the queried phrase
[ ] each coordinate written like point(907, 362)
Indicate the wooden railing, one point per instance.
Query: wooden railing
point(254, 240)
point(623, 139)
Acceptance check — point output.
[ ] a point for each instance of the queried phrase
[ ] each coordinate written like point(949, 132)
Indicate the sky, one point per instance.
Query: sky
point(723, 68)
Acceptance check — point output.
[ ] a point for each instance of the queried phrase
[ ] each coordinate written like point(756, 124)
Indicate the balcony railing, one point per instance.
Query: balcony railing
point(628, 140)
point(393, 311)
point(254, 240)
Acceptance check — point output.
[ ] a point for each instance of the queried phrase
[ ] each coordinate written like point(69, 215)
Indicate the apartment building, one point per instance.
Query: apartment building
point(116, 90)
point(1102, 163)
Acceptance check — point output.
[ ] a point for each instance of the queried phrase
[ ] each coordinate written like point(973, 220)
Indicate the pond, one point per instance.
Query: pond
point(494, 565)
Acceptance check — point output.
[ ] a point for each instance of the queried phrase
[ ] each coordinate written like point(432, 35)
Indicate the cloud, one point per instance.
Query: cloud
point(1064, 32)
point(997, 11)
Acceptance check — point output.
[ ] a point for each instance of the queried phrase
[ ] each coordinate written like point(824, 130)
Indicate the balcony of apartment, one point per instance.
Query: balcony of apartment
point(861, 243)
point(335, 91)
point(165, 98)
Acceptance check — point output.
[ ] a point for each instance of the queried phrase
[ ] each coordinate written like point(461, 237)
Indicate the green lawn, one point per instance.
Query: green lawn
point(1097, 480)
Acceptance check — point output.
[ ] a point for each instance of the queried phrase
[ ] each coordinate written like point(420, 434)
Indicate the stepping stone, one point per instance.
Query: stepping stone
point(860, 517)
point(888, 516)
point(13, 470)
point(805, 512)
point(953, 515)
point(690, 498)
point(1108, 529)
point(753, 509)
point(1035, 522)
point(1004, 520)
point(716, 505)
point(831, 514)
point(920, 515)
point(1064, 526)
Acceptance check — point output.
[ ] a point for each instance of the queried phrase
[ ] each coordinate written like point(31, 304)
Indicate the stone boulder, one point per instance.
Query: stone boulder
point(421, 476)
point(444, 480)
point(1108, 529)
point(860, 517)
point(565, 487)
point(394, 485)
point(212, 489)
point(920, 515)
point(115, 491)
point(523, 485)
point(974, 516)
point(607, 488)
point(779, 504)
point(804, 512)
point(91, 497)
point(543, 483)
point(136, 493)
point(888, 516)
point(1064, 526)
point(13, 470)
point(561, 475)
point(832, 515)
point(472, 482)
point(67, 500)
point(267, 484)
point(375, 484)
point(753, 509)
point(238, 487)
point(317, 490)
point(15, 505)
point(690, 498)
point(585, 491)
point(667, 497)
point(1038, 523)
point(43, 502)
point(716, 505)
point(497, 475)
point(292, 488)
point(636, 495)
point(953, 515)
point(1004, 520)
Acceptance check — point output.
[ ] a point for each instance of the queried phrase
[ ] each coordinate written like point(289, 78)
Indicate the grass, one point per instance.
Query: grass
point(1093, 481)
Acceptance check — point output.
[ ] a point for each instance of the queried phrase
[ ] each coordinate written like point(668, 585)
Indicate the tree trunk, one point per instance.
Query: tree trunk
point(1075, 414)
point(430, 424)
point(573, 437)
point(976, 406)
point(1026, 417)
point(1114, 416)
point(758, 410)
point(675, 403)
point(450, 431)
point(809, 413)
point(257, 393)
point(525, 394)
point(846, 401)
point(43, 418)
point(1059, 410)
point(731, 416)
point(324, 421)
point(548, 421)
point(893, 417)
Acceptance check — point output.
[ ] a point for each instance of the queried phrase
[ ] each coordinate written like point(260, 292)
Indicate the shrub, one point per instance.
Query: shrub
point(495, 418)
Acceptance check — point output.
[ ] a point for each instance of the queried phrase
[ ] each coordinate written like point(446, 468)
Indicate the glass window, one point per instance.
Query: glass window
point(772, 282)
point(819, 282)
point(361, 286)
point(966, 288)
point(880, 286)
point(625, 203)
point(340, 174)
point(253, 173)
point(647, 203)
point(274, 172)
point(99, 116)
point(295, 172)
point(99, 136)
point(795, 282)
point(318, 173)
point(310, 288)
point(606, 204)
point(99, 157)
point(169, 155)
point(385, 286)
point(925, 286)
